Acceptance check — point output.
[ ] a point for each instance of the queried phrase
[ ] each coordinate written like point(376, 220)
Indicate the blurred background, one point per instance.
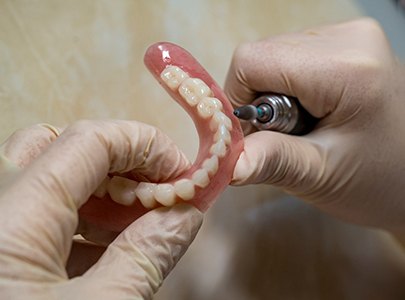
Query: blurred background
point(61, 61)
point(391, 15)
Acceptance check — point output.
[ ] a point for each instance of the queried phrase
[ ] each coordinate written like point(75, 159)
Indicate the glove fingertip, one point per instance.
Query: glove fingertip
point(243, 172)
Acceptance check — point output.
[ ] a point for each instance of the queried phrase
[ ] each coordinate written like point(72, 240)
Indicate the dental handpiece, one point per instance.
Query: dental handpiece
point(278, 113)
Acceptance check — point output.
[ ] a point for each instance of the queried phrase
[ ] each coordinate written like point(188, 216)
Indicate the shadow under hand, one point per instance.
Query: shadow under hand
point(289, 250)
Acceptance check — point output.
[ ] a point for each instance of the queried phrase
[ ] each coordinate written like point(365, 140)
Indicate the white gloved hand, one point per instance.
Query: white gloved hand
point(44, 182)
point(353, 164)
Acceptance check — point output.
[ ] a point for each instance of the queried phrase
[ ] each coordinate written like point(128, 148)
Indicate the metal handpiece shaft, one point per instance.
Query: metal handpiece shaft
point(278, 113)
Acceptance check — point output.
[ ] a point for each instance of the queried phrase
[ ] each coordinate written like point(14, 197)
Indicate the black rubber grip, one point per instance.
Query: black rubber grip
point(305, 122)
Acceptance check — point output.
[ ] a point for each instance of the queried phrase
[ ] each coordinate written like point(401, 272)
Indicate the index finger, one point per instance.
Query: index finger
point(43, 201)
point(317, 66)
point(280, 65)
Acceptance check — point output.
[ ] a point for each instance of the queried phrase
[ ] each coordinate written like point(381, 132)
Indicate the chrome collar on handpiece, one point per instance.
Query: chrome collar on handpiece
point(277, 113)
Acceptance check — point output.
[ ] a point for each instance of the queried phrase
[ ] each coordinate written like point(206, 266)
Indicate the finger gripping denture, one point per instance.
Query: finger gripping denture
point(119, 200)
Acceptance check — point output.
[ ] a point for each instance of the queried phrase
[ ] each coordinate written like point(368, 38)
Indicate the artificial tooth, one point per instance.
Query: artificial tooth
point(193, 90)
point(211, 165)
point(200, 178)
point(173, 76)
point(222, 134)
point(184, 188)
point(220, 118)
point(208, 106)
point(122, 190)
point(145, 193)
point(218, 149)
point(164, 194)
point(101, 191)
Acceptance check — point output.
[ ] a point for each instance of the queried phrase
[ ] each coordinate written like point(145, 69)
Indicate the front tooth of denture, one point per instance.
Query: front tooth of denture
point(200, 178)
point(208, 106)
point(222, 134)
point(211, 165)
point(173, 76)
point(218, 149)
point(145, 193)
point(122, 190)
point(219, 118)
point(101, 191)
point(184, 188)
point(193, 90)
point(164, 194)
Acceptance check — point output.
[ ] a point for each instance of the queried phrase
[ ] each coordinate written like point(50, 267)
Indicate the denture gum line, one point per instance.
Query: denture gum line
point(199, 96)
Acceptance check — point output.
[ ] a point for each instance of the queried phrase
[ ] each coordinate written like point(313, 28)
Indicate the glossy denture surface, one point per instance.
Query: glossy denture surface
point(219, 133)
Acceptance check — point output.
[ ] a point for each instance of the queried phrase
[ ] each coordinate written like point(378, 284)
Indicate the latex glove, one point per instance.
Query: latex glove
point(353, 164)
point(46, 179)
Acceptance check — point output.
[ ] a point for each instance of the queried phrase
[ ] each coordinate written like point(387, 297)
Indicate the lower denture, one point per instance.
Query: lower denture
point(220, 135)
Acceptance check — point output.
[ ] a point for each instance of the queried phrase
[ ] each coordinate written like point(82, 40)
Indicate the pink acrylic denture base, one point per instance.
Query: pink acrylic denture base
point(109, 215)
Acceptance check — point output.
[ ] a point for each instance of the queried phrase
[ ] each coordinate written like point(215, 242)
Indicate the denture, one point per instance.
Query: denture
point(120, 200)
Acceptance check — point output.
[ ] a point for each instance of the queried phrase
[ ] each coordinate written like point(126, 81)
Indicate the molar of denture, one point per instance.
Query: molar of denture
point(200, 178)
point(208, 106)
point(222, 134)
point(173, 76)
point(218, 149)
point(219, 118)
point(122, 190)
point(193, 90)
point(164, 194)
point(211, 165)
point(184, 188)
point(101, 190)
point(145, 193)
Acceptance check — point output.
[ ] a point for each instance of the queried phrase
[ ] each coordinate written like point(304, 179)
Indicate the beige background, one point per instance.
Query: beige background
point(66, 60)
point(61, 61)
